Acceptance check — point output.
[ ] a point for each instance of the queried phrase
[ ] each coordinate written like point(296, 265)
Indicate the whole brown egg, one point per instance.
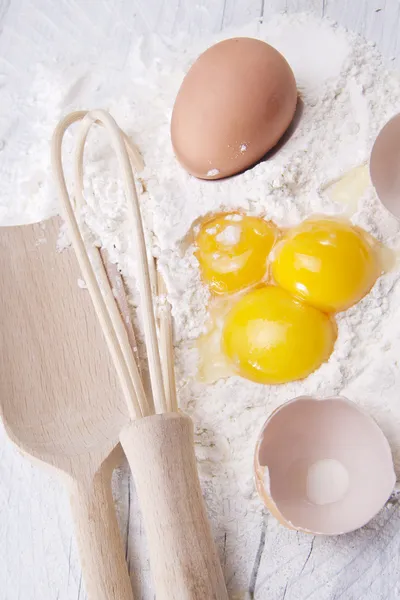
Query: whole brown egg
point(234, 105)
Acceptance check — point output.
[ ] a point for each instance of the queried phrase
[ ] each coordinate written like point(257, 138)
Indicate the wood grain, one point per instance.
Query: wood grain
point(38, 554)
point(99, 541)
point(183, 556)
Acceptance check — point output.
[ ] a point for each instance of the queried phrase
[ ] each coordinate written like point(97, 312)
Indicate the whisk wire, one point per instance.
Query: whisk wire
point(93, 269)
point(98, 263)
point(143, 276)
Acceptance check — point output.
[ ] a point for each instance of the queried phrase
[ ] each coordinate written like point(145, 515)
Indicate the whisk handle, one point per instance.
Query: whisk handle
point(183, 556)
point(104, 569)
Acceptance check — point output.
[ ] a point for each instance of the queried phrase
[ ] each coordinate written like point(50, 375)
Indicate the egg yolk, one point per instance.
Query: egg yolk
point(232, 250)
point(328, 263)
point(273, 338)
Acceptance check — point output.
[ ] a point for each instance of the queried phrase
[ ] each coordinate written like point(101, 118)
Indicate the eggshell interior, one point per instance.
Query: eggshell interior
point(384, 166)
point(325, 465)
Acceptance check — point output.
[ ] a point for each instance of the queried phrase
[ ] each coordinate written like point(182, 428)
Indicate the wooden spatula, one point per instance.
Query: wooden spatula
point(59, 396)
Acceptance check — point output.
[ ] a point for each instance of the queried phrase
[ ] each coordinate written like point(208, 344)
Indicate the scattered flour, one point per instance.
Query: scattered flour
point(347, 96)
point(82, 284)
point(234, 217)
point(212, 172)
point(230, 236)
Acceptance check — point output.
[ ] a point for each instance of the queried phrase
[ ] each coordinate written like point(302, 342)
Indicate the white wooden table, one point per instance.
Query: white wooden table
point(38, 558)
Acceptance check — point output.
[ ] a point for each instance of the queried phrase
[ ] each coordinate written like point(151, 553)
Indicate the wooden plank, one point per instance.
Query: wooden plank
point(377, 20)
point(271, 7)
point(4, 6)
point(239, 13)
point(314, 6)
point(197, 18)
point(38, 560)
point(349, 14)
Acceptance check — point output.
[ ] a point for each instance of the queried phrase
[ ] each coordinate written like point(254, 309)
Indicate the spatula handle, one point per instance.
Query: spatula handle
point(183, 556)
point(104, 568)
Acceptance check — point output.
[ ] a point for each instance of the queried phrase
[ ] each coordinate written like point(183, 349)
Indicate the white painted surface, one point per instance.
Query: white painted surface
point(38, 558)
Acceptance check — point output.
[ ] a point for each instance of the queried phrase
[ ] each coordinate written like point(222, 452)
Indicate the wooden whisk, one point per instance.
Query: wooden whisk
point(159, 441)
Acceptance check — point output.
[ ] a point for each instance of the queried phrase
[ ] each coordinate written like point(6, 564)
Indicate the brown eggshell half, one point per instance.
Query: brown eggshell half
point(233, 106)
point(307, 430)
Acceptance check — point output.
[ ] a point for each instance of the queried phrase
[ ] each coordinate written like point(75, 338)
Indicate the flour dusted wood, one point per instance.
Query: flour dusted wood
point(347, 111)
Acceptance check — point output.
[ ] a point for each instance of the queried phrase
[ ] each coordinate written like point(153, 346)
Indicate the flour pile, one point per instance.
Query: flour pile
point(347, 97)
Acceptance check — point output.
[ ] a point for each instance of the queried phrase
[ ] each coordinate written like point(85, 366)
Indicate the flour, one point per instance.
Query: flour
point(230, 236)
point(82, 284)
point(327, 481)
point(347, 96)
